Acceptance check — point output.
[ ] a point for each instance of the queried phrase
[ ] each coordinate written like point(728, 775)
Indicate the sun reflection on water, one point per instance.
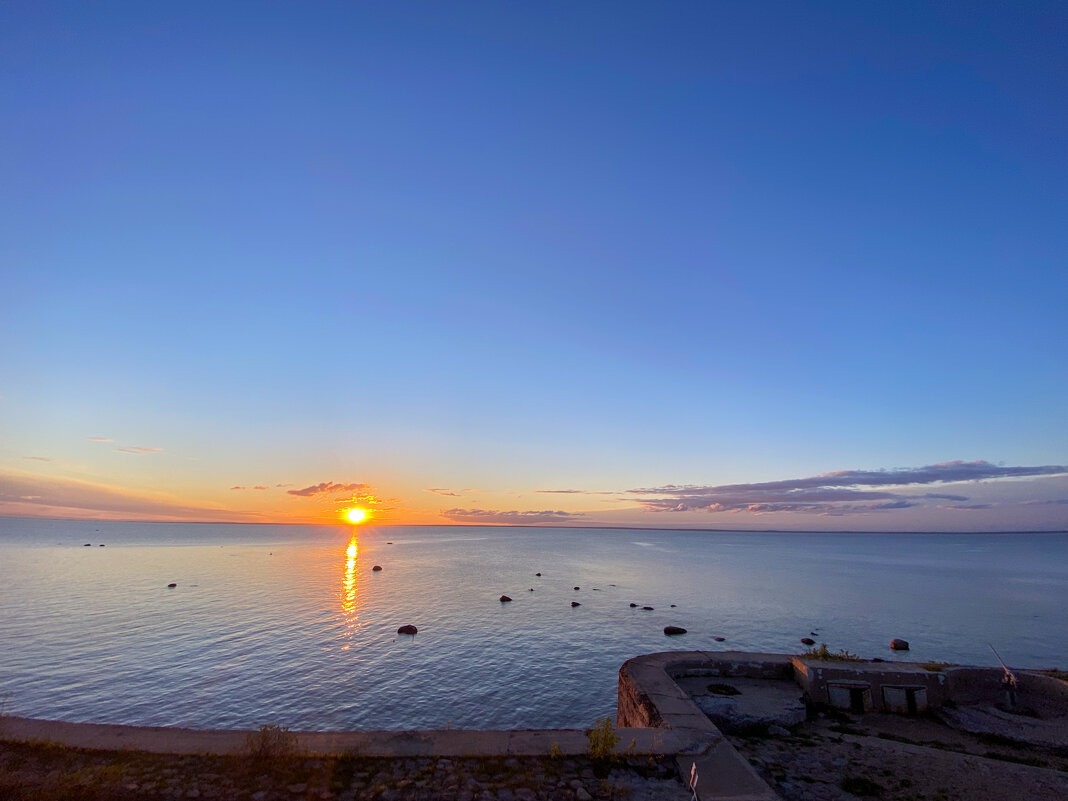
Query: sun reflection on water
point(349, 587)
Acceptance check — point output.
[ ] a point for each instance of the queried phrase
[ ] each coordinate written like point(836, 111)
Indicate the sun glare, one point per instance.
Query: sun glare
point(355, 515)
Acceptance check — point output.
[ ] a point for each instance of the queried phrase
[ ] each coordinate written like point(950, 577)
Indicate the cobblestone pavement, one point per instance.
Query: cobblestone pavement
point(43, 772)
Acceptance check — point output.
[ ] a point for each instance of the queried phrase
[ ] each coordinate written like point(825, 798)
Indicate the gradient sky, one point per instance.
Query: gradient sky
point(645, 264)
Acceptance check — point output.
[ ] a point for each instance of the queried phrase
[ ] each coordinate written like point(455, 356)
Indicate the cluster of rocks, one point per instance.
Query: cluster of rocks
point(41, 774)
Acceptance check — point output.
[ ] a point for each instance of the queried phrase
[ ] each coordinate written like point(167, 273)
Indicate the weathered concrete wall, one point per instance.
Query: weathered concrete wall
point(815, 677)
point(971, 685)
point(649, 696)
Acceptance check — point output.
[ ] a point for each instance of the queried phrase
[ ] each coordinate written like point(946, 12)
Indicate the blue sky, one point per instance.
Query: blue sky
point(505, 247)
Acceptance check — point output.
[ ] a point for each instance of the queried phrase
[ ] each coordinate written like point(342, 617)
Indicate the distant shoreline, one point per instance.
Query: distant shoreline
point(530, 526)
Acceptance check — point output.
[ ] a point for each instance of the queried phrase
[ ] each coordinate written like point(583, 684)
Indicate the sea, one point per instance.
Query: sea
point(294, 626)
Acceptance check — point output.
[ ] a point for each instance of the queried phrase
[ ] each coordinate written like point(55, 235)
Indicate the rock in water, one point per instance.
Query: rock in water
point(632, 606)
point(899, 645)
point(505, 599)
point(673, 630)
point(575, 603)
point(808, 641)
point(88, 545)
point(578, 588)
point(719, 639)
point(537, 574)
point(647, 608)
point(376, 568)
point(407, 630)
point(171, 586)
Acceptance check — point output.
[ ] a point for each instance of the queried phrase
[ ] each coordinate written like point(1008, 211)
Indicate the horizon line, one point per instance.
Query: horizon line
point(536, 526)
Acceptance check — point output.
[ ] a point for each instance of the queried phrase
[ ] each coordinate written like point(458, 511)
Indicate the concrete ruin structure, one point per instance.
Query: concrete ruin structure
point(696, 695)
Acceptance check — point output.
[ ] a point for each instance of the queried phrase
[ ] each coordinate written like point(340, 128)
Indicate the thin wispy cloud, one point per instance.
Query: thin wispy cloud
point(830, 493)
point(443, 491)
point(33, 495)
point(573, 492)
point(327, 488)
point(100, 439)
point(258, 487)
point(37, 458)
point(139, 449)
point(508, 518)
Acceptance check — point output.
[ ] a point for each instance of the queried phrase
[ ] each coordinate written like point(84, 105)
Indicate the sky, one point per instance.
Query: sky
point(675, 265)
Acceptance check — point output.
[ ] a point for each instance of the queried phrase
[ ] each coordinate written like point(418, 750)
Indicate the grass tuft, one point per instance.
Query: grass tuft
point(271, 742)
point(603, 739)
point(824, 653)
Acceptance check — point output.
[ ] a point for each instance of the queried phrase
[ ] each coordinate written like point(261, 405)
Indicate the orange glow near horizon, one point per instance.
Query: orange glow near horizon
point(354, 515)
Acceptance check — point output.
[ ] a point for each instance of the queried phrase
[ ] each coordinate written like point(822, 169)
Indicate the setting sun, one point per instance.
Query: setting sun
point(355, 515)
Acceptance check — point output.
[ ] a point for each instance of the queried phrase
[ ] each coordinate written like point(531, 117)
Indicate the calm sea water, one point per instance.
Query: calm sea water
point(290, 625)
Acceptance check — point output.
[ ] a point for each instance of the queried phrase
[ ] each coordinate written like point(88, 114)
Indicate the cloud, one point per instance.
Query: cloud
point(283, 485)
point(100, 439)
point(28, 495)
point(902, 504)
point(139, 449)
point(968, 506)
point(574, 492)
point(327, 488)
point(443, 491)
point(508, 518)
point(37, 458)
point(833, 493)
point(258, 487)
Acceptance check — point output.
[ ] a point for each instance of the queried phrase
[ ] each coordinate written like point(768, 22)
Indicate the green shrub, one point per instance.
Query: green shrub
point(603, 739)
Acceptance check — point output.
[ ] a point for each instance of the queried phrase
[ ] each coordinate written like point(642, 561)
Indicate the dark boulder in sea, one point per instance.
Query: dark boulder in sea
point(673, 605)
point(647, 608)
point(537, 574)
point(899, 645)
point(532, 589)
point(171, 586)
point(102, 545)
point(505, 599)
point(808, 641)
point(719, 639)
point(407, 630)
point(376, 568)
point(88, 545)
point(673, 630)
point(575, 603)
point(632, 606)
point(814, 633)
point(389, 543)
point(578, 588)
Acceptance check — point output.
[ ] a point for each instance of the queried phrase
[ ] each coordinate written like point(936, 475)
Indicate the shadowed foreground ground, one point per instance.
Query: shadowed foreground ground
point(842, 757)
point(44, 772)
